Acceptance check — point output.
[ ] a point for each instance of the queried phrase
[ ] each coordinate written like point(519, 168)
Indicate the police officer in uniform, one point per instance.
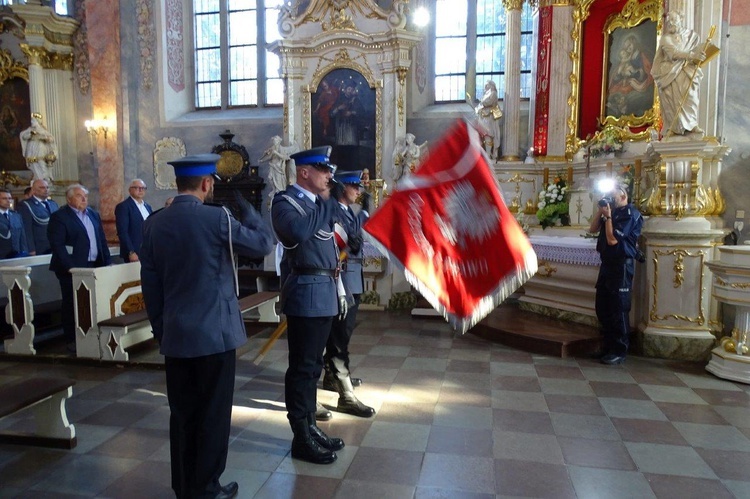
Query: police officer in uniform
point(312, 294)
point(337, 375)
point(619, 225)
point(190, 288)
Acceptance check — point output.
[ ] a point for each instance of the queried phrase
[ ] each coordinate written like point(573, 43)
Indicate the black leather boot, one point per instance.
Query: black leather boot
point(319, 435)
point(349, 403)
point(329, 382)
point(306, 448)
point(321, 413)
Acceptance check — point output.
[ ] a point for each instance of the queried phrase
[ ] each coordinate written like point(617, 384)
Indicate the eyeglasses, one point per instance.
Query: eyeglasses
point(137, 188)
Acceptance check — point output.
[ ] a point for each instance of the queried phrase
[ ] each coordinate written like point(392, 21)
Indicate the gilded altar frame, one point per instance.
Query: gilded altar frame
point(650, 9)
point(636, 26)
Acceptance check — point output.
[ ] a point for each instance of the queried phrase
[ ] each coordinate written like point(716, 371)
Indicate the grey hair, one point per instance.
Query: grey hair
point(72, 187)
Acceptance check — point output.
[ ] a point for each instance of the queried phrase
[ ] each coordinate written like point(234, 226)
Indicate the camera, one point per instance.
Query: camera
point(606, 200)
point(640, 256)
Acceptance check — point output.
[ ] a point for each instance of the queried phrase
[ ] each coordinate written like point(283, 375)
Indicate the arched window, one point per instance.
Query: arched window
point(470, 48)
point(232, 68)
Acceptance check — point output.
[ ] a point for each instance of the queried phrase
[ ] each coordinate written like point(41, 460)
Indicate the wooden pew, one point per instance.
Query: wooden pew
point(46, 396)
point(265, 302)
point(16, 278)
point(105, 293)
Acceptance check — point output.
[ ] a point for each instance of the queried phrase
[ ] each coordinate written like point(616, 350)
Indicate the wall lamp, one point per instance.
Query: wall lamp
point(95, 127)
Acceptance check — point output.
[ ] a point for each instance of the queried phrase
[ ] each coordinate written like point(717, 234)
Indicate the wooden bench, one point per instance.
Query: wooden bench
point(105, 293)
point(118, 333)
point(265, 302)
point(46, 396)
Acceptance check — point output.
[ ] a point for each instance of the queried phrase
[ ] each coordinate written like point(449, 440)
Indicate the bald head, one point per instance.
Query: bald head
point(40, 189)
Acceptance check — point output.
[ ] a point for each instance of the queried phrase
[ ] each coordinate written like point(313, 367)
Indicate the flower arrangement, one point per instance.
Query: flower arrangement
point(553, 204)
point(605, 142)
point(625, 177)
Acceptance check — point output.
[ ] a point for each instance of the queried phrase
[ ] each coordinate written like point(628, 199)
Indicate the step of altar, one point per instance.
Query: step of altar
point(536, 333)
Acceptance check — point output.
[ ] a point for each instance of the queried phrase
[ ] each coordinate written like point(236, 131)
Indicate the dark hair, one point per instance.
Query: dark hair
point(337, 190)
point(27, 190)
point(189, 183)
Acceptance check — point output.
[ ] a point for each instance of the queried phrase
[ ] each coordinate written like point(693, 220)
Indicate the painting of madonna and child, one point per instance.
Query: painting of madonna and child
point(343, 116)
point(629, 88)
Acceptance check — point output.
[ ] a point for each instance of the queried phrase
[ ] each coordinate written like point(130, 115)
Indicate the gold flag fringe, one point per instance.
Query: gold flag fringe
point(506, 287)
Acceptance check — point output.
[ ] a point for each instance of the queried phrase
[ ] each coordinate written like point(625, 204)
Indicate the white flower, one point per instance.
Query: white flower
point(541, 205)
point(560, 198)
point(550, 187)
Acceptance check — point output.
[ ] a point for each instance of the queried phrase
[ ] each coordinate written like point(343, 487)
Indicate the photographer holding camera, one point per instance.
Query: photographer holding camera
point(619, 225)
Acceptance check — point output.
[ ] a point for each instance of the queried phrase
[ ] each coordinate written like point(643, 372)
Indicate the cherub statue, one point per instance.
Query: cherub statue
point(281, 169)
point(406, 156)
point(39, 148)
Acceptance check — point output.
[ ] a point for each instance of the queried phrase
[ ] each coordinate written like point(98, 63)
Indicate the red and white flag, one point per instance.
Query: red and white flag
point(448, 227)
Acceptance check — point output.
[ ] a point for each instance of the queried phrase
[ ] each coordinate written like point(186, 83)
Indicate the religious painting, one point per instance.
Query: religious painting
point(343, 116)
point(629, 98)
point(15, 116)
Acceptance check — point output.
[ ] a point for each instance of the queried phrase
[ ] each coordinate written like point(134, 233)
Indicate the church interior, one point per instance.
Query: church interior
point(564, 94)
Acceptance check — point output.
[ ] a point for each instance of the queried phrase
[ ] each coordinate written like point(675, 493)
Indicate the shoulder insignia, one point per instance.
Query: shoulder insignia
point(300, 195)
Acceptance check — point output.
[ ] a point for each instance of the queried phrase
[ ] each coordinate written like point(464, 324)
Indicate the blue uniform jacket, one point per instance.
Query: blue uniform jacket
point(352, 275)
point(305, 229)
point(35, 220)
point(187, 276)
point(129, 223)
point(70, 242)
point(626, 226)
point(12, 236)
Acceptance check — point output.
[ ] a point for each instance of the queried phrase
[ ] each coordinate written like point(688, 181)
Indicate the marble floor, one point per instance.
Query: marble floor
point(457, 417)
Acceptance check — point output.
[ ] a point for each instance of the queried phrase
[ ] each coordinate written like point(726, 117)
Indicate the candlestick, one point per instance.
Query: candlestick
point(638, 165)
point(570, 176)
point(609, 168)
point(546, 176)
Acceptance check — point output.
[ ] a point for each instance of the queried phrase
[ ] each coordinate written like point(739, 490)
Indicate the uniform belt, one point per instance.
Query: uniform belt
point(354, 260)
point(309, 271)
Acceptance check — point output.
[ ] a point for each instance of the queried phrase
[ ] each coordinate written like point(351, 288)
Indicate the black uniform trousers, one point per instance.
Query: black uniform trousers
point(307, 337)
point(613, 293)
point(200, 392)
point(336, 357)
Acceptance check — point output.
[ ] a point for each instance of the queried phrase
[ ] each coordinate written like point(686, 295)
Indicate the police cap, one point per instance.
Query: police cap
point(318, 157)
point(197, 165)
point(351, 178)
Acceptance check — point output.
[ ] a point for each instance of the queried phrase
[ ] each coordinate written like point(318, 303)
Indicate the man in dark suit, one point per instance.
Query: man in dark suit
point(129, 217)
point(337, 375)
point(12, 235)
point(77, 239)
point(311, 294)
point(35, 212)
point(190, 288)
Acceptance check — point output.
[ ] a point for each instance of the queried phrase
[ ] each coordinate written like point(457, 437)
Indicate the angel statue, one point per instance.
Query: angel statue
point(406, 156)
point(39, 148)
point(281, 169)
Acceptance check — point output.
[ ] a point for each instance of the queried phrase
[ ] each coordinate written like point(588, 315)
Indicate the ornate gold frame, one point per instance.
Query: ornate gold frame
point(342, 60)
point(581, 11)
point(10, 68)
point(632, 15)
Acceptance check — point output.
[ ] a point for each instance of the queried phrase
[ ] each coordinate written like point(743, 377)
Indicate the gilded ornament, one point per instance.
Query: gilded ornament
point(653, 315)
point(10, 68)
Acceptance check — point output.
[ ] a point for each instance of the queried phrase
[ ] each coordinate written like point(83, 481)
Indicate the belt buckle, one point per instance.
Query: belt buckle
point(337, 272)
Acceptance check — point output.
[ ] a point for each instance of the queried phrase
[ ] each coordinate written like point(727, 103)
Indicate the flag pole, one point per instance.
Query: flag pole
point(269, 343)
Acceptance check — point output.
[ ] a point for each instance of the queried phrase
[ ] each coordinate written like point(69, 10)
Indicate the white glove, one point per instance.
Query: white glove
point(343, 307)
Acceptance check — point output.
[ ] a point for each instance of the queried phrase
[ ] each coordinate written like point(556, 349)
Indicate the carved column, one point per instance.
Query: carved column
point(102, 22)
point(680, 235)
point(512, 98)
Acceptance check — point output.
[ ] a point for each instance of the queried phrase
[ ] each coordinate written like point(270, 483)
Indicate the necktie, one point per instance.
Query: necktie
point(46, 205)
point(7, 216)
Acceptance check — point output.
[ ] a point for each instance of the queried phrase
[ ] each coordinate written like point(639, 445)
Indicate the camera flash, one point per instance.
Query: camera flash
point(605, 185)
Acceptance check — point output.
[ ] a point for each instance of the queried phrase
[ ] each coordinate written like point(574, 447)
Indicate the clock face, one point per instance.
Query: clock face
point(230, 164)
